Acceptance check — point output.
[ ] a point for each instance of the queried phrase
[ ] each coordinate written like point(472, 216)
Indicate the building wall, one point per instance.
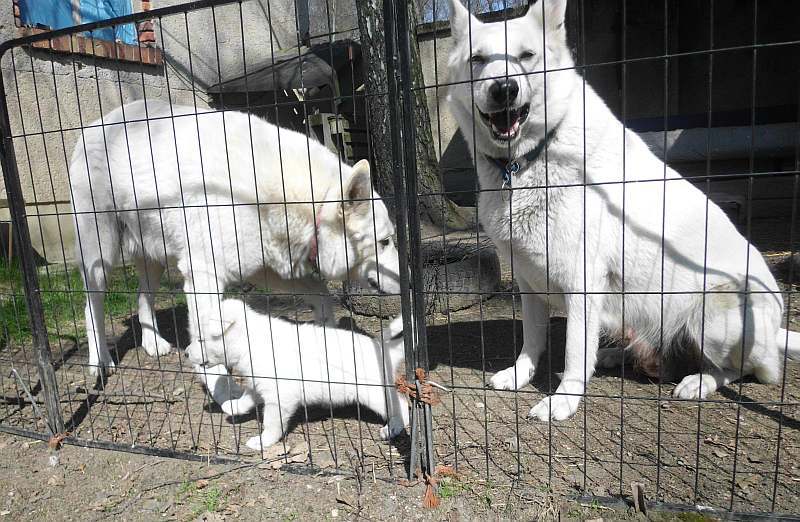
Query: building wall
point(51, 95)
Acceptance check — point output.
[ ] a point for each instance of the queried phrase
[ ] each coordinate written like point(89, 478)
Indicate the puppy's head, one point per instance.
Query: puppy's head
point(497, 74)
point(218, 342)
point(356, 235)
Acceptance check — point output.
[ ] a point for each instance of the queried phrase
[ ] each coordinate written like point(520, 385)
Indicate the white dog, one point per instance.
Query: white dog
point(550, 158)
point(230, 198)
point(286, 366)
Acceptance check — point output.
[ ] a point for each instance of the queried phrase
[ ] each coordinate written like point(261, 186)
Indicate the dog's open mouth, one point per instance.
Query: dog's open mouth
point(505, 124)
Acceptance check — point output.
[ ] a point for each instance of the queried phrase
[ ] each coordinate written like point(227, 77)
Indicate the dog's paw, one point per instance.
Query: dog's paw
point(155, 345)
point(696, 386)
point(512, 378)
point(556, 407)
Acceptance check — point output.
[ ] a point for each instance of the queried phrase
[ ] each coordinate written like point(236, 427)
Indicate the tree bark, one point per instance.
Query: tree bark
point(435, 208)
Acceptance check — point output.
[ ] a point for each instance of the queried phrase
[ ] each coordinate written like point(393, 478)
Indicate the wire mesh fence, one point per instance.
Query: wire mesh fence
point(202, 267)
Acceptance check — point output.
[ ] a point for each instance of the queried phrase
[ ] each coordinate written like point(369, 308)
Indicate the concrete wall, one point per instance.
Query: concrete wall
point(50, 95)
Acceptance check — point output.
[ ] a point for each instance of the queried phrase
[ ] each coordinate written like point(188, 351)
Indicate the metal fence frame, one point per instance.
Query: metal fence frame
point(403, 129)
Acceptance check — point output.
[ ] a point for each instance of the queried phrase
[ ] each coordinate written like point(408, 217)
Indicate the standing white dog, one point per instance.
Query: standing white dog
point(286, 366)
point(230, 198)
point(551, 159)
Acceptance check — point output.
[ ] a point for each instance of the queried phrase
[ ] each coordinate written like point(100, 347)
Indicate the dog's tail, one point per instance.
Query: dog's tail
point(791, 340)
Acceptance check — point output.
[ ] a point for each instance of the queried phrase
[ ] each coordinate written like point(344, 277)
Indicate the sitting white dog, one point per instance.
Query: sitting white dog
point(290, 365)
point(600, 227)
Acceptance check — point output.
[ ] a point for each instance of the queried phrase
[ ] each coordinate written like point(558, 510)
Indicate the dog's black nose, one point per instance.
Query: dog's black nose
point(505, 91)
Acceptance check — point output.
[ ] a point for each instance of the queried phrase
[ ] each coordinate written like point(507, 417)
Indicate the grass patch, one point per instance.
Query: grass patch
point(202, 500)
point(63, 300)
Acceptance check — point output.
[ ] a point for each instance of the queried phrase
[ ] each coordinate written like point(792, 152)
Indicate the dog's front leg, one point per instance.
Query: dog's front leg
point(583, 336)
point(535, 318)
point(203, 302)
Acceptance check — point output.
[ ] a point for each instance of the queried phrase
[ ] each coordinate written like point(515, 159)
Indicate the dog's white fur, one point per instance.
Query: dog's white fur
point(567, 238)
point(176, 185)
point(286, 366)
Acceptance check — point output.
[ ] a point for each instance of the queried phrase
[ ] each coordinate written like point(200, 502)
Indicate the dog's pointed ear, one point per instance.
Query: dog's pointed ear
point(549, 13)
point(461, 19)
point(358, 187)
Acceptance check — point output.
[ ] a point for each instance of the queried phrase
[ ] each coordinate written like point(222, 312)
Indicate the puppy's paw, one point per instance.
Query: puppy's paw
point(556, 407)
point(696, 386)
point(261, 442)
point(512, 378)
point(155, 345)
point(391, 430)
point(241, 406)
point(103, 368)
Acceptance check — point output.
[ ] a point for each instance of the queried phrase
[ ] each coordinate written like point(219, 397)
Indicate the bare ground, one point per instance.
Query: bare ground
point(737, 450)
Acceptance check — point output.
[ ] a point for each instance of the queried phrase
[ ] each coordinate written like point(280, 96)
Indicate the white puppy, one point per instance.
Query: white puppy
point(286, 366)
point(551, 160)
point(228, 197)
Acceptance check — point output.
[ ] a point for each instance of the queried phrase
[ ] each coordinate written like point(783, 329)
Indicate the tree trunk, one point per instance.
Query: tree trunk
point(435, 209)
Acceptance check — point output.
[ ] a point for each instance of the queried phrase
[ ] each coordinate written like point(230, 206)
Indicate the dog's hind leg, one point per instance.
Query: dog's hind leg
point(535, 319)
point(98, 250)
point(149, 277)
point(701, 385)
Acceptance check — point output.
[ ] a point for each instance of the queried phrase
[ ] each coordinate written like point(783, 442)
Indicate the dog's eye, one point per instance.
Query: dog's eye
point(385, 242)
point(477, 59)
point(527, 55)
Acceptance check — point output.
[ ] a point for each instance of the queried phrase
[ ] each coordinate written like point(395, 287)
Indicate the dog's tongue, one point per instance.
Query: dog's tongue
point(505, 123)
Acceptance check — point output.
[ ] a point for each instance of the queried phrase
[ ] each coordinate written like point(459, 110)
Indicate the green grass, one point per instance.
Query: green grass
point(63, 301)
point(201, 500)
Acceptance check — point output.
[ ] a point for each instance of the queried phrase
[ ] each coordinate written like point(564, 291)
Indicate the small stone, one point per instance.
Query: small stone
point(334, 513)
point(52, 461)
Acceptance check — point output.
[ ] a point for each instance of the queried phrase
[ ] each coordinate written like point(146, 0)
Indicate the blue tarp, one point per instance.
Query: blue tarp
point(57, 14)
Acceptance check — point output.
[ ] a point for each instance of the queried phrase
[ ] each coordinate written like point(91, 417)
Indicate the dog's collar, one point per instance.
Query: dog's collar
point(313, 251)
point(510, 167)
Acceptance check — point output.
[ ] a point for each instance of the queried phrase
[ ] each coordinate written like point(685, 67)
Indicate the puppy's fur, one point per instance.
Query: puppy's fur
point(229, 198)
point(286, 365)
point(582, 236)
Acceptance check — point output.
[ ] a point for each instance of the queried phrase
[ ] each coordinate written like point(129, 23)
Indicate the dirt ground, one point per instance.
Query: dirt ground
point(737, 450)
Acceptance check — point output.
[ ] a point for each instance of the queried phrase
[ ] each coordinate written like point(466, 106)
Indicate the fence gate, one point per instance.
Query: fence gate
point(733, 452)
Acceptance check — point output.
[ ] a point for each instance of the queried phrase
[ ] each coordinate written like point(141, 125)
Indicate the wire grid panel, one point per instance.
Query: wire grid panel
point(732, 450)
point(201, 142)
point(673, 85)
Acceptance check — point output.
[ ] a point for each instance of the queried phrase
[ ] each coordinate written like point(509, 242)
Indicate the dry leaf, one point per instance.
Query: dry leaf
point(56, 441)
point(202, 483)
point(445, 471)
point(431, 499)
